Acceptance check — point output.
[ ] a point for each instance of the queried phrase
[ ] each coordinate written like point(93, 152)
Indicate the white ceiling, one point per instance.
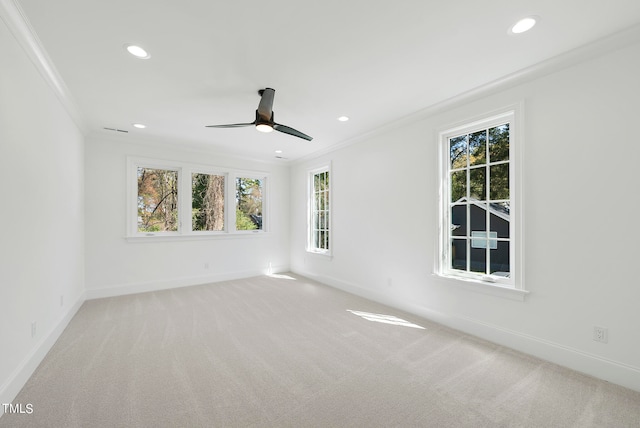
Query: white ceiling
point(374, 61)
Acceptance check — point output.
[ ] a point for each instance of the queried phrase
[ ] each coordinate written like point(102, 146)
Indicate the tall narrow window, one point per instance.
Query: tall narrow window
point(207, 202)
point(249, 194)
point(157, 200)
point(320, 218)
point(478, 232)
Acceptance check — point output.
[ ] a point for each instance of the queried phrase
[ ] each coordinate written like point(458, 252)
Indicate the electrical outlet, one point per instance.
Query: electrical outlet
point(206, 265)
point(61, 300)
point(33, 329)
point(600, 334)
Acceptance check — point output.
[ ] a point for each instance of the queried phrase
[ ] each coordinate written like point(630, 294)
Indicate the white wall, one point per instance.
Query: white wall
point(116, 266)
point(42, 216)
point(581, 209)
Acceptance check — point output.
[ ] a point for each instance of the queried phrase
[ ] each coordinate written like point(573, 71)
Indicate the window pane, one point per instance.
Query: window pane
point(478, 184)
point(499, 219)
point(500, 259)
point(458, 185)
point(478, 148)
point(321, 182)
point(248, 203)
point(499, 181)
point(459, 220)
point(479, 239)
point(499, 143)
point(459, 254)
point(207, 202)
point(479, 260)
point(458, 152)
point(157, 200)
point(478, 213)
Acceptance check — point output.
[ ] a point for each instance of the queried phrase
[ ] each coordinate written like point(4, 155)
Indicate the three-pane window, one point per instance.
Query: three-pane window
point(173, 198)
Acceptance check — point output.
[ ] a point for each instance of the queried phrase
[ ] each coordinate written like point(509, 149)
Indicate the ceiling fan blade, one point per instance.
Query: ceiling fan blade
point(291, 131)
point(232, 125)
point(265, 108)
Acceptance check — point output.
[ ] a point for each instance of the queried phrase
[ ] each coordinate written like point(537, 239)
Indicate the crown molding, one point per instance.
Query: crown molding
point(595, 49)
point(15, 19)
point(164, 143)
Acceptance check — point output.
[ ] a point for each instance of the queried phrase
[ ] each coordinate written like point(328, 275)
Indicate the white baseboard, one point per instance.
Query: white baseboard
point(575, 359)
point(143, 287)
point(16, 381)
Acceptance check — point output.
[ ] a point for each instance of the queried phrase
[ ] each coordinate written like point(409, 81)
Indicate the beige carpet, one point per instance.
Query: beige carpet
point(277, 352)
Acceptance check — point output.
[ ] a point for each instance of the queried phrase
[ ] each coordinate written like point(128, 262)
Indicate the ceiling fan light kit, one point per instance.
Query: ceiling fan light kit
point(264, 118)
point(263, 127)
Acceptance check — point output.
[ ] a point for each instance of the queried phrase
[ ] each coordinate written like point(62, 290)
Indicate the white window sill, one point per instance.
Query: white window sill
point(325, 255)
point(159, 237)
point(485, 287)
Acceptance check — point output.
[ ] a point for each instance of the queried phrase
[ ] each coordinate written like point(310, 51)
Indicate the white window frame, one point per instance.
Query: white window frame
point(515, 282)
point(310, 210)
point(185, 171)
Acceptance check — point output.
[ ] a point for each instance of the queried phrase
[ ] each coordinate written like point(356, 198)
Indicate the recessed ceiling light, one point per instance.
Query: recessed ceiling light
point(525, 24)
point(139, 125)
point(343, 118)
point(278, 151)
point(137, 51)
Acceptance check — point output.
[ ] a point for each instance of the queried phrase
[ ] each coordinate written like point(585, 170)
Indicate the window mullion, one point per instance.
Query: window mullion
point(184, 201)
point(468, 207)
point(488, 202)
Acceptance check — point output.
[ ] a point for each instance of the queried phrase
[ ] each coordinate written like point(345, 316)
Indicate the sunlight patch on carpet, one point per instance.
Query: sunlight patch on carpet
point(280, 276)
point(385, 319)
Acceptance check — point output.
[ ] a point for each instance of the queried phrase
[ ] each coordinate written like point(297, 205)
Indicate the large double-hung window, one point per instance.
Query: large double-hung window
point(480, 231)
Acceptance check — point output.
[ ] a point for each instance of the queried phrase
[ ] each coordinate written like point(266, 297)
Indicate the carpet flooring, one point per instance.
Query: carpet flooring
point(288, 352)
